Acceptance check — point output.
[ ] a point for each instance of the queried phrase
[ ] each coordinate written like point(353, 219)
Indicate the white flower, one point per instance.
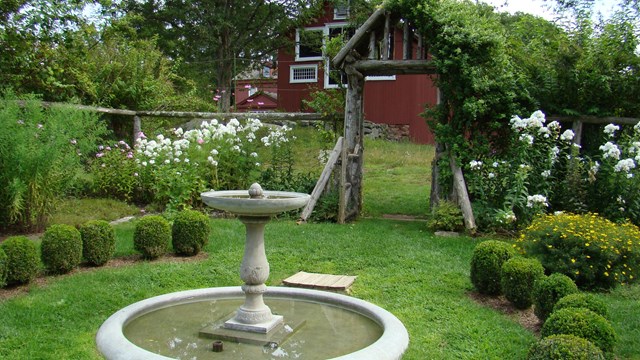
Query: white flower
point(475, 165)
point(611, 129)
point(160, 137)
point(567, 135)
point(558, 213)
point(636, 127)
point(624, 165)
point(526, 138)
point(253, 154)
point(533, 200)
point(176, 160)
point(257, 164)
point(235, 148)
point(495, 164)
point(554, 125)
point(491, 175)
point(610, 150)
point(545, 174)
point(151, 162)
point(214, 152)
point(144, 163)
point(167, 161)
point(186, 160)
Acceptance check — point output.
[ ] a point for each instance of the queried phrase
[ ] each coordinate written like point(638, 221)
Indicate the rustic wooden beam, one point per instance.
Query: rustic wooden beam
point(385, 37)
point(577, 130)
point(373, 52)
point(358, 37)
point(323, 180)
point(407, 41)
point(463, 196)
point(596, 120)
point(420, 49)
point(394, 67)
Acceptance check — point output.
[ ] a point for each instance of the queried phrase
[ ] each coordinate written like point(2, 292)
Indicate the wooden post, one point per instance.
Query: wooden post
point(323, 180)
point(462, 195)
point(577, 130)
point(385, 37)
point(407, 41)
point(353, 146)
point(373, 54)
point(436, 191)
point(137, 128)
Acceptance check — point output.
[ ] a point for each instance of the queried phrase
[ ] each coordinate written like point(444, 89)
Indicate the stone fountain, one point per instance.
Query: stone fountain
point(308, 324)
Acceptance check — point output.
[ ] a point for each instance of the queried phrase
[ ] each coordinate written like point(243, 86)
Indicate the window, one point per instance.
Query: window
point(309, 44)
point(334, 77)
point(380, 78)
point(303, 73)
point(341, 11)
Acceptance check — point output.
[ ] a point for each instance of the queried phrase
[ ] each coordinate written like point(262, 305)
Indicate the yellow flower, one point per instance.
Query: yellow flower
point(573, 260)
point(606, 273)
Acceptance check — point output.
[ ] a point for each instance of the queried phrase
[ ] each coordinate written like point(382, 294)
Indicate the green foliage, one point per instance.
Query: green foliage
point(22, 259)
point(61, 248)
point(4, 268)
point(595, 252)
point(152, 236)
point(583, 300)
point(98, 242)
point(41, 151)
point(446, 216)
point(583, 323)
point(564, 347)
point(327, 207)
point(517, 278)
point(114, 172)
point(548, 290)
point(190, 232)
point(486, 265)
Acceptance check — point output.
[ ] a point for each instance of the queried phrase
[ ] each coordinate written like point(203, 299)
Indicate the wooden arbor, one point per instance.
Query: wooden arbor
point(367, 53)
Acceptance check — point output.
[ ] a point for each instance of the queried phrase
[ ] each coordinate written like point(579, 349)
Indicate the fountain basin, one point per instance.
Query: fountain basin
point(391, 344)
point(239, 202)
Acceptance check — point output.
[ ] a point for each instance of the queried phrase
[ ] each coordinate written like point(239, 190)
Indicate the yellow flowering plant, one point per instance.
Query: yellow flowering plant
point(595, 252)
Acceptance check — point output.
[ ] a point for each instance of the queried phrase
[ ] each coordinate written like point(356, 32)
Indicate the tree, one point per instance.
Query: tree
point(218, 39)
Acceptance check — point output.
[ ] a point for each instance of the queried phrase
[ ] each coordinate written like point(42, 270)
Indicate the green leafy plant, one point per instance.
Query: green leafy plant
point(595, 252)
point(548, 290)
point(517, 278)
point(564, 347)
point(151, 236)
point(190, 232)
point(61, 248)
point(4, 268)
point(446, 216)
point(41, 152)
point(583, 323)
point(22, 259)
point(115, 171)
point(98, 242)
point(486, 264)
point(583, 300)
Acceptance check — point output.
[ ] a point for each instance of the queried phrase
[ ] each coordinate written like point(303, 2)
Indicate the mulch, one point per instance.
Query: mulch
point(526, 317)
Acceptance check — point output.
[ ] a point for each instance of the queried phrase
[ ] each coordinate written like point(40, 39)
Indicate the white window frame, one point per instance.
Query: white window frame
point(327, 61)
point(303, 81)
point(380, 78)
point(341, 16)
point(309, 58)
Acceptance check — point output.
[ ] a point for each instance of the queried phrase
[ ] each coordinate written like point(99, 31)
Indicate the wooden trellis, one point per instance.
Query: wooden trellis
point(367, 54)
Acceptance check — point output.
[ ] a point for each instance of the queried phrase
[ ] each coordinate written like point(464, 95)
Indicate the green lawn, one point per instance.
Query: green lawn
point(421, 278)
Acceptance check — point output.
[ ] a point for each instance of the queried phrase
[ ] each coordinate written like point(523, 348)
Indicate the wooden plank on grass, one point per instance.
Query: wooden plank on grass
point(320, 281)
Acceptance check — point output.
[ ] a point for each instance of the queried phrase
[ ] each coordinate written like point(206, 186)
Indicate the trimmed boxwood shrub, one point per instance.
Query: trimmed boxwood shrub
point(190, 232)
point(583, 323)
point(582, 300)
point(61, 248)
point(564, 347)
point(3, 268)
point(98, 242)
point(517, 279)
point(548, 290)
point(22, 259)
point(486, 264)
point(151, 236)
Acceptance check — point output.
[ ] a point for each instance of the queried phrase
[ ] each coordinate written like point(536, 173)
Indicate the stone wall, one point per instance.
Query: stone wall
point(385, 131)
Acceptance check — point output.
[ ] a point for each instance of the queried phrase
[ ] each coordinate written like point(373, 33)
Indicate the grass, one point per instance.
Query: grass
point(78, 211)
point(421, 278)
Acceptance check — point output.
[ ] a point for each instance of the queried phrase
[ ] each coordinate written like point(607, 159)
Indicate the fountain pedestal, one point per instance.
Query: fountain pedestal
point(254, 315)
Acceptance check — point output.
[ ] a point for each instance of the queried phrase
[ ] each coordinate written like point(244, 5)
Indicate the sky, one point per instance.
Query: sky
point(540, 7)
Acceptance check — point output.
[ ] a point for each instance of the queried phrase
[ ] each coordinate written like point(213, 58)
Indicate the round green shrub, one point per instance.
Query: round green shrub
point(583, 323)
point(564, 347)
point(98, 242)
point(4, 268)
point(517, 278)
point(22, 259)
point(595, 252)
point(61, 248)
point(190, 232)
point(151, 236)
point(582, 300)
point(446, 216)
point(486, 264)
point(548, 290)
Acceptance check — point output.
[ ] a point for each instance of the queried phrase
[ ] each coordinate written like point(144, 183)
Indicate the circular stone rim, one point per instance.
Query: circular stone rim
point(239, 202)
point(113, 345)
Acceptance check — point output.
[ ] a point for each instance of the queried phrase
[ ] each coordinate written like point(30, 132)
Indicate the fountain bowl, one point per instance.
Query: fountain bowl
point(240, 203)
point(114, 345)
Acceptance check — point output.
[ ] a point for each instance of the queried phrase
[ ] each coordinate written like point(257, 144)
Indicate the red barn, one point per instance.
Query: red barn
point(394, 100)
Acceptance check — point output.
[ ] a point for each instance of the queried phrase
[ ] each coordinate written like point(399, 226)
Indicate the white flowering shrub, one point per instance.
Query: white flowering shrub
point(543, 170)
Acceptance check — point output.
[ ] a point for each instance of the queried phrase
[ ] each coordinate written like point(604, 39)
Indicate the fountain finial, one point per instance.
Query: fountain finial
point(255, 191)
